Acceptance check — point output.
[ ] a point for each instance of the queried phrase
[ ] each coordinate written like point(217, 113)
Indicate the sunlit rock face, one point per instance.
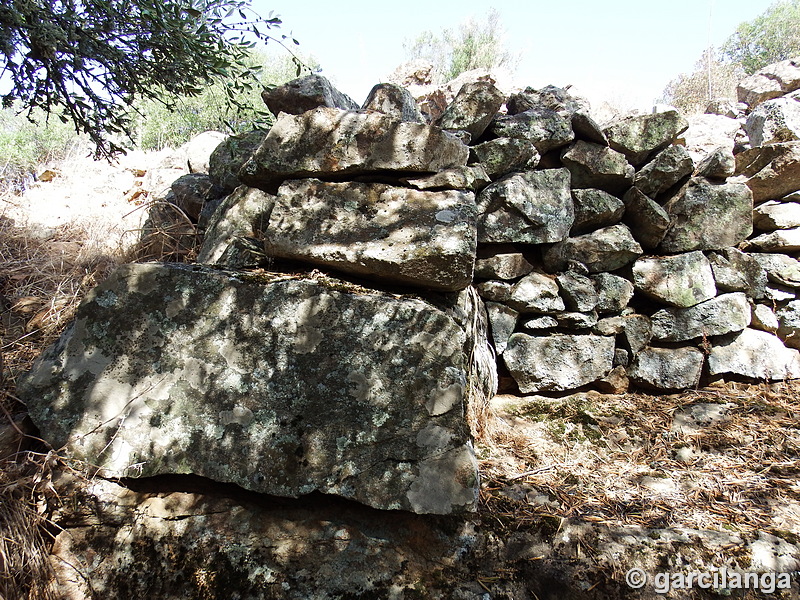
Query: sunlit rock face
point(281, 385)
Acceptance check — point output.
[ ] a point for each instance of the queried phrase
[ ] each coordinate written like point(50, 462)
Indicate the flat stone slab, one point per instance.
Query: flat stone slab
point(279, 384)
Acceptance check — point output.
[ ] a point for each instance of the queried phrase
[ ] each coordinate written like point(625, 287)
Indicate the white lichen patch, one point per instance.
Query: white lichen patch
point(177, 305)
point(445, 483)
point(434, 437)
point(365, 386)
point(307, 338)
point(442, 400)
point(446, 216)
point(107, 299)
point(240, 415)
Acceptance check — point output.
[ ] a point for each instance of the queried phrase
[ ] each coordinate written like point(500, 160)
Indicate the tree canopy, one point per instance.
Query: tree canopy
point(711, 79)
point(88, 61)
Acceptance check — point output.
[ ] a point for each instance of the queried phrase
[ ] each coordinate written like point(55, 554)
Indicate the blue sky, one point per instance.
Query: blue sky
point(625, 51)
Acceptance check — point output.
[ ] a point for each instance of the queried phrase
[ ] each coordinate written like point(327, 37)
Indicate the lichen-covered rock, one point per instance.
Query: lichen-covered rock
point(755, 354)
point(425, 239)
point(501, 262)
point(576, 321)
point(537, 293)
point(192, 191)
point(638, 136)
point(772, 171)
point(774, 215)
point(736, 271)
point(780, 240)
point(606, 249)
point(595, 166)
point(534, 207)
point(502, 322)
point(550, 97)
point(789, 319)
point(774, 121)
point(504, 155)
point(770, 82)
point(544, 127)
point(395, 101)
point(779, 268)
point(557, 362)
point(495, 291)
point(306, 93)
point(595, 209)
point(666, 169)
point(473, 178)
point(229, 156)
point(281, 385)
point(473, 108)
point(647, 220)
point(578, 291)
point(667, 368)
point(683, 280)
point(764, 318)
point(706, 133)
point(328, 141)
point(614, 292)
point(539, 323)
point(719, 164)
point(706, 215)
point(726, 313)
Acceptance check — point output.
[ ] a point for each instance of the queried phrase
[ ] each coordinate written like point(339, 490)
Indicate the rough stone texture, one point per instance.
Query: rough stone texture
point(501, 262)
point(637, 137)
point(666, 169)
point(242, 215)
point(328, 141)
point(781, 240)
point(719, 164)
point(395, 101)
point(578, 291)
point(557, 362)
point(764, 318)
point(588, 129)
point(706, 216)
point(503, 155)
point(779, 268)
point(544, 127)
point(495, 291)
point(197, 151)
point(706, 133)
point(735, 271)
point(647, 220)
point(473, 108)
point(756, 354)
point(191, 192)
point(502, 321)
point(282, 387)
point(683, 280)
point(727, 107)
point(606, 249)
point(576, 321)
point(774, 215)
point(550, 97)
point(534, 207)
point(539, 323)
point(537, 293)
point(596, 166)
point(616, 382)
point(473, 178)
point(667, 368)
point(726, 313)
point(229, 156)
point(770, 82)
point(425, 239)
point(305, 93)
point(614, 292)
point(777, 293)
point(595, 209)
point(772, 171)
point(789, 319)
point(637, 331)
point(774, 121)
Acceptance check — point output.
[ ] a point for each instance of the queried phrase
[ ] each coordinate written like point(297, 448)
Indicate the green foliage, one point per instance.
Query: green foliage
point(771, 37)
point(712, 79)
point(87, 61)
point(475, 45)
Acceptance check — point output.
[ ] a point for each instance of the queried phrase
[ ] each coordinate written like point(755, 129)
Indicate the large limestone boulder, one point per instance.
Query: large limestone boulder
point(595, 209)
point(736, 271)
point(772, 81)
point(707, 215)
point(772, 171)
point(395, 101)
point(639, 136)
point(504, 155)
point(755, 354)
point(667, 368)
point(724, 314)
point(683, 280)
point(666, 169)
point(706, 133)
point(393, 234)
point(595, 166)
point(282, 385)
point(557, 362)
point(473, 108)
point(305, 93)
point(229, 156)
point(647, 220)
point(606, 249)
point(546, 128)
point(774, 121)
point(333, 142)
point(534, 207)
point(774, 215)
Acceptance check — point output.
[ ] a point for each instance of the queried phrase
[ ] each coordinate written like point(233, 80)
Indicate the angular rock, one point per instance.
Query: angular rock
point(306, 93)
point(536, 293)
point(774, 121)
point(229, 156)
point(576, 320)
point(473, 108)
point(706, 133)
point(667, 368)
point(550, 97)
point(727, 107)
point(735, 271)
point(191, 192)
point(587, 129)
point(534, 207)
point(706, 216)
point(774, 215)
point(614, 292)
point(666, 169)
point(772, 171)
point(328, 141)
point(764, 318)
point(596, 166)
point(242, 215)
point(777, 293)
point(504, 155)
point(637, 331)
point(606, 249)
point(780, 268)
point(616, 382)
point(637, 137)
point(789, 319)
point(557, 362)
point(194, 155)
point(539, 323)
point(495, 291)
point(595, 209)
point(770, 82)
point(724, 314)
point(393, 100)
point(609, 326)
point(683, 280)
point(578, 291)
point(281, 386)
point(502, 322)
point(647, 220)
point(781, 240)
point(473, 178)
point(756, 354)
point(425, 239)
point(501, 263)
point(719, 164)
point(544, 127)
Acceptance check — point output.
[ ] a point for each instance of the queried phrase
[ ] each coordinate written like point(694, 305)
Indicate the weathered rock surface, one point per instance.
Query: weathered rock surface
point(281, 386)
point(544, 127)
point(501, 262)
point(495, 291)
point(774, 215)
point(328, 141)
point(779, 268)
point(735, 271)
point(550, 97)
point(755, 354)
point(764, 318)
point(614, 292)
point(537, 293)
point(719, 164)
point(306, 93)
point(595, 209)
point(502, 321)
point(393, 100)
point(789, 319)
point(770, 82)
point(667, 368)
point(724, 314)
point(419, 238)
point(229, 156)
point(774, 121)
point(666, 169)
point(596, 166)
point(557, 362)
point(637, 137)
point(772, 171)
point(534, 207)
point(578, 291)
point(683, 280)
point(473, 108)
point(192, 192)
point(706, 133)
point(473, 178)
point(503, 155)
point(647, 220)
point(606, 249)
point(706, 215)
point(780, 240)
